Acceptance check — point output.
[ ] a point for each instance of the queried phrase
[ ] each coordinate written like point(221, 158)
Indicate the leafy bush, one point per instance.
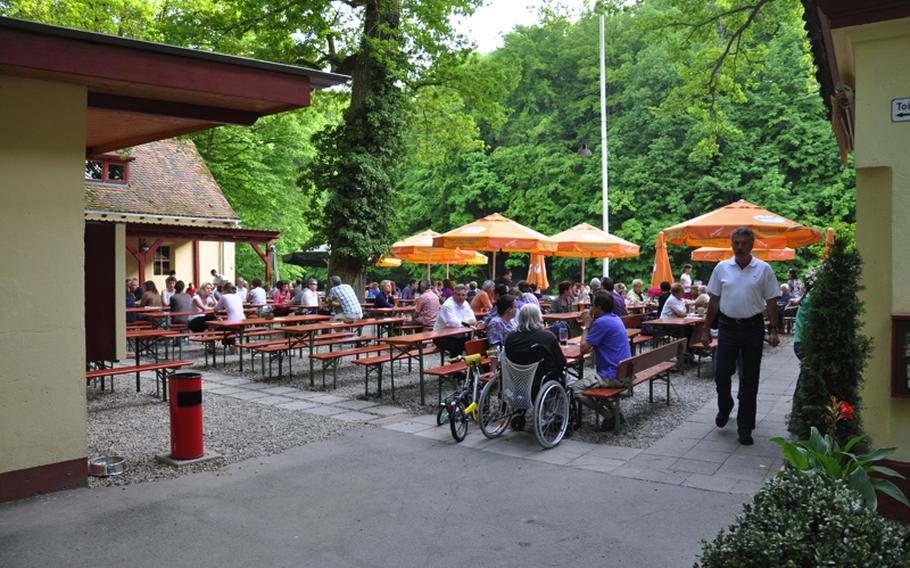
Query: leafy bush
point(823, 456)
point(802, 521)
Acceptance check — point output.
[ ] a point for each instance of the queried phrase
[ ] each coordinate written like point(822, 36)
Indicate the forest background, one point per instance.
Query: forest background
point(499, 132)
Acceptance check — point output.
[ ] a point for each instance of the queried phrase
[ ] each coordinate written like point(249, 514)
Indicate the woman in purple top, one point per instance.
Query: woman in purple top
point(504, 321)
point(384, 295)
point(446, 289)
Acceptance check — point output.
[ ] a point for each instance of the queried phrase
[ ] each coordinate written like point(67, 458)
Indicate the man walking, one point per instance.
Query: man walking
point(741, 288)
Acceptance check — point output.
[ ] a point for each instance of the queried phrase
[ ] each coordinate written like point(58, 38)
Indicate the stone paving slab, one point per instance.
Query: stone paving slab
point(328, 399)
point(325, 410)
point(356, 404)
point(353, 416)
point(279, 390)
point(298, 405)
point(248, 395)
point(385, 410)
point(236, 382)
point(224, 390)
point(272, 400)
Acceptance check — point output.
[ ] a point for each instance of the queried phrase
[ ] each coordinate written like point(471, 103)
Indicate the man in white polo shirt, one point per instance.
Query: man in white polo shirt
point(741, 288)
point(455, 313)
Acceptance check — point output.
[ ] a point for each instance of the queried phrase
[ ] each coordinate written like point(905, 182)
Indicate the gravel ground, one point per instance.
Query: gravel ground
point(136, 427)
point(649, 422)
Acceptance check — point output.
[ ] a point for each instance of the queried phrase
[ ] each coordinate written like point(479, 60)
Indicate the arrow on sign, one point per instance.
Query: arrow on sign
point(903, 114)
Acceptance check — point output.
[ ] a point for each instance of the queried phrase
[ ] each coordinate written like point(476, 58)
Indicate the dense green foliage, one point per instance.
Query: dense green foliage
point(832, 348)
point(499, 132)
point(807, 521)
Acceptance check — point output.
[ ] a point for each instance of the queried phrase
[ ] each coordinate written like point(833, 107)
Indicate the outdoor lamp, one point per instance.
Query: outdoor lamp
point(584, 152)
point(144, 247)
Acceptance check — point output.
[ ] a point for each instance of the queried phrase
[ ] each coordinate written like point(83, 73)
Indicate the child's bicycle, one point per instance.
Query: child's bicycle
point(461, 406)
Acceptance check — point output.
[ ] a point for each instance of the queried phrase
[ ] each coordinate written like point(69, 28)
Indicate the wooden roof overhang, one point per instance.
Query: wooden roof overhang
point(201, 233)
point(837, 81)
point(141, 91)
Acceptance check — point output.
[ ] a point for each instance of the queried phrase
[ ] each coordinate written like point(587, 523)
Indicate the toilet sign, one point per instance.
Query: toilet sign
point(900, 110)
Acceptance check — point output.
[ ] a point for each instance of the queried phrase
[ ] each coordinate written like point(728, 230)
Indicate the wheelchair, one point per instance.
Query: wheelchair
point(507, 398)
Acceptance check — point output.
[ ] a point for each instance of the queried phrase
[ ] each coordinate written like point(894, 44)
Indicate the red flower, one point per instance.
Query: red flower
point(846, 411)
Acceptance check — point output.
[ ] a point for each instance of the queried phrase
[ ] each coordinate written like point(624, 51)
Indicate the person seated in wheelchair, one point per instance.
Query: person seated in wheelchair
point(530, 343)
point(604, 333)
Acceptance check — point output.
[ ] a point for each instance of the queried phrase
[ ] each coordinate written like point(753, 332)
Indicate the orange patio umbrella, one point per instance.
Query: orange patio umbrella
point(662, 271)
point(388, 262)
point(419, 249)
point(496, 233)
point(716, 254)
point(537, 272)
point(713, 229)
point(587, 241)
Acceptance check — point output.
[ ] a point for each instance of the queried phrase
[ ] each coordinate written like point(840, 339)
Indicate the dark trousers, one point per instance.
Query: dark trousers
point(454, 346)
point(739, 341)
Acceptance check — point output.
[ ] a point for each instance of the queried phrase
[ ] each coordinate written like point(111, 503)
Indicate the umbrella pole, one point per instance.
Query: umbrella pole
point(494, 265)
point(582, 270)
point(429, 276)
point(447, 272)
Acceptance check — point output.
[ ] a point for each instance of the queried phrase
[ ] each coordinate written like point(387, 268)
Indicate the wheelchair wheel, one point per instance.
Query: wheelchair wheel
point(493, 412)
point(442, 416)
point(458, 422)
point(551, 414)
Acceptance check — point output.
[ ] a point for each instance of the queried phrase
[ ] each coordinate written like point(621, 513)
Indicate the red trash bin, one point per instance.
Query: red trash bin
point(185, 404)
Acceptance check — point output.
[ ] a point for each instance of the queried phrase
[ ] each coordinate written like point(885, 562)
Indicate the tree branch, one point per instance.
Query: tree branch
point(734, 39)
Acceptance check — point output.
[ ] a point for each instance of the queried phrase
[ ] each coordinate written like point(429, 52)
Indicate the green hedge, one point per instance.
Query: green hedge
point(807, 521)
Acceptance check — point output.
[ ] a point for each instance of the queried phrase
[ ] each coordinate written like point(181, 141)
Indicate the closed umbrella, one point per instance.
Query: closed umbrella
point(716, 254)
point(713, 229)
point(662, 271)
point(537, 272)
point(587, 241)
point(496, 233)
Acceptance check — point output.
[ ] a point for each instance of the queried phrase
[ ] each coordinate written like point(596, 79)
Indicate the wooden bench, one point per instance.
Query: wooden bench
point(650, 366)
point(699, 349)
point(209, 339)
point(450, 370)
point(375, 363)
point(332, 358)
point(634, 321)
point(162, 371)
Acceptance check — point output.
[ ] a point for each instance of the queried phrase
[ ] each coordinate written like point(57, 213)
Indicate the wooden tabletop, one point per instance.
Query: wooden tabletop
point(141, 309)
point(399, 309)
point(676, 322)
point(565, 316)
point(151, 333)
point(339, 324)
point(415, 338)
point(266, 321)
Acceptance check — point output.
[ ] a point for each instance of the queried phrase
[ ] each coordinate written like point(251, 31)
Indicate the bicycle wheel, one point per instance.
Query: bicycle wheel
point(458, 421)
point(493, 412)
point(442, 416)
point(551, 414)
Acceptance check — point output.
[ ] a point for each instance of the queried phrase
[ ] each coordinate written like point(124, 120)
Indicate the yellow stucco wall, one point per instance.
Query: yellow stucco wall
point(878, 54)
point(182, 261)
point(42, 337)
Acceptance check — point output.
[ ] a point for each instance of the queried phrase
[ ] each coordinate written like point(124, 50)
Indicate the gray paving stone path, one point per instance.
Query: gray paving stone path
point(695, 454)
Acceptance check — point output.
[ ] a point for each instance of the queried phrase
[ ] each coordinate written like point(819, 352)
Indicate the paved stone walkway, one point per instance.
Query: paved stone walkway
point(695, 454)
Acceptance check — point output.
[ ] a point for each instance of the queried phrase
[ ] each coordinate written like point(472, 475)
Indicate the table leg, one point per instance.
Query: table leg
point(420, 366)
point(240, 342)
point(312, 335)
point(138, 349)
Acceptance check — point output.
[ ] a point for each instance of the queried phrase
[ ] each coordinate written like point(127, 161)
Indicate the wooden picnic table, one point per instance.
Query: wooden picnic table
point(145, 341)
point(404, 343)
point(308, 333)
point(390, 311)
point(676, 322)
point(240, 325)
point(564, 316)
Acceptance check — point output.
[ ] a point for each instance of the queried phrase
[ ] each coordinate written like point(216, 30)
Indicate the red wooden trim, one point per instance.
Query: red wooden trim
point(259, 252)
point(119, 143)
point(268, 262)
point(43, 479)
point(133, 251)
point(172, 109)
point(129, 65)
point(196, 272)
point(204, 232)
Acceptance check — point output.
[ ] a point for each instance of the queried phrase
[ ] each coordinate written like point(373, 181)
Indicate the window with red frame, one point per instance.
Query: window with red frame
point(106, 170)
